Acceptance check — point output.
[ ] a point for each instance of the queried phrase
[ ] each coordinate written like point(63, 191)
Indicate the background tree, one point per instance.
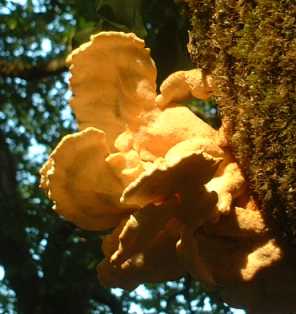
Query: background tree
point(50, 264)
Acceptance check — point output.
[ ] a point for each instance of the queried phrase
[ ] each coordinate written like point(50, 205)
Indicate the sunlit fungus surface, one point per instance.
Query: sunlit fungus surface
point(162, 179)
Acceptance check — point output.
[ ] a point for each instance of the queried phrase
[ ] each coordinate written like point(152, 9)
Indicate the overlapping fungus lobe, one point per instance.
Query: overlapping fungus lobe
point(162, 178)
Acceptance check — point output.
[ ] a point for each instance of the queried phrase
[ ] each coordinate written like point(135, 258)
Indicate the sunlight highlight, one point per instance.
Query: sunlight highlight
point(2, 273)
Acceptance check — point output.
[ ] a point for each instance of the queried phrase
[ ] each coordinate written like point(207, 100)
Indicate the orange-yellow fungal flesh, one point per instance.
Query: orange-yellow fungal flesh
point(141, 227)
point(228, 182)
point(165, 180)
point(156, 262)
point(124, 141)
point(262, 257)
point(81, 184)
point(231, 260)
point(234, 249)
point(126, 165)
point(188, 251)
point(242, 222)
point(183, 85)
point(165, 129)
point(113, 82)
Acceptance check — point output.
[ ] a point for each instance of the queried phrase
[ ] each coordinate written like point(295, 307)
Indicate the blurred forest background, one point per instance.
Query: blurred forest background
point(47, 265)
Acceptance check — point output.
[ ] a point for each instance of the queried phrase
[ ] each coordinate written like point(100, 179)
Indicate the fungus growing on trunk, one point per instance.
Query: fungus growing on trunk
point(160, 176)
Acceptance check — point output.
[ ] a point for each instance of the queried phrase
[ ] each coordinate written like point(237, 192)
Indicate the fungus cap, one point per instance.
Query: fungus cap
point(113, 81)
point(155, 172)
point(167, 176)
point(154, 263)
point(80, 182)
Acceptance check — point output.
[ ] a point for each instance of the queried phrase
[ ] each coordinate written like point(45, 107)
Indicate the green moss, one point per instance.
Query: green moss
point(250, 48)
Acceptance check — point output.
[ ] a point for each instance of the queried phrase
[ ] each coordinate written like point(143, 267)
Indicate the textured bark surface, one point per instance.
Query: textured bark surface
point(250, 49)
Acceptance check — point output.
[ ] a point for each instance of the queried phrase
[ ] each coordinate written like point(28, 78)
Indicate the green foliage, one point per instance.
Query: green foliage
point(49, 263)
point(251, 50)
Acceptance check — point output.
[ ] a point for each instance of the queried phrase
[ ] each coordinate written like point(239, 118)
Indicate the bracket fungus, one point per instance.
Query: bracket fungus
point(165, 180)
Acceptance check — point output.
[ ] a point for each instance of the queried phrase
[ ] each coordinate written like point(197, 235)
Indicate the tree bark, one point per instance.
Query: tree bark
point(249, 48)
point(28, 71)
point(20, 269)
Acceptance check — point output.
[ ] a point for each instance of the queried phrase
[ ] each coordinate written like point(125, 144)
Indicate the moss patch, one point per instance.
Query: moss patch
point(250, 48)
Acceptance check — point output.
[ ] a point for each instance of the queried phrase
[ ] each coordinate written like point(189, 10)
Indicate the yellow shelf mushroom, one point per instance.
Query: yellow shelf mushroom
point(146, 166)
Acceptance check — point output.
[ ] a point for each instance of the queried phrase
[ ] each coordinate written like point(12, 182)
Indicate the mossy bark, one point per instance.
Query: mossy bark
point(249, 47)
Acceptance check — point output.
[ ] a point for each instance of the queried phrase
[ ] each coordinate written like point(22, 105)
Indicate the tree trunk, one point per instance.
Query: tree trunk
point(249, 48)
point(21, 271)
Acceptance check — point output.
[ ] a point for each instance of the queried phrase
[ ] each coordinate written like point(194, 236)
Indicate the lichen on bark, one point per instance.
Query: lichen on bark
point(249, 47)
